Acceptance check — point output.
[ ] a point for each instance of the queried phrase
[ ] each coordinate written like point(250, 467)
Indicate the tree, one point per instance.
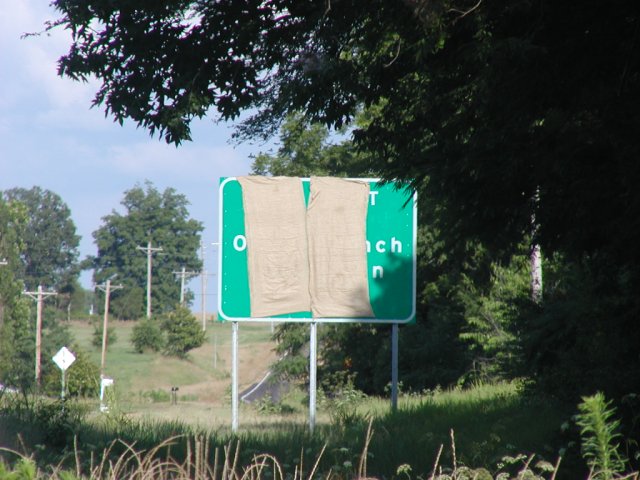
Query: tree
point(305, 150)
point(431, 352)
point(483, 106)
point(150, 215)
point(16, 342)
point(183, 332)
point(51, 244)
point(492, 102)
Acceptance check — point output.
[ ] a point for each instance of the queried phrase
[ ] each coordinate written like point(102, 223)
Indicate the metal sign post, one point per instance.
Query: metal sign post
point(313, 368)
point(234, 377)
point(394, 367)
point(63, 359)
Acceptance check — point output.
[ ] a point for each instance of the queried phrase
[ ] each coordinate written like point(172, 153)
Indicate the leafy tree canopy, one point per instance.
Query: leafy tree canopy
point(150, 215)
point(499, 110)
point(491, 101)
point(16, 341)
point(50, 253)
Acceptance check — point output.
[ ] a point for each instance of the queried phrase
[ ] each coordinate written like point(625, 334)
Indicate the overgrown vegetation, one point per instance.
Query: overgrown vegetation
point(489, 432)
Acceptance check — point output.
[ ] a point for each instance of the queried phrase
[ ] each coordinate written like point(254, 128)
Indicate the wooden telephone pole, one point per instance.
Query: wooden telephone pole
point(39, 297)
point(106, 288)
point(149, 251)
point(183, 274)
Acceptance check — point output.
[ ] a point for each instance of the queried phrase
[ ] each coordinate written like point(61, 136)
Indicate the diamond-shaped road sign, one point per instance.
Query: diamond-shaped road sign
point(64, 358)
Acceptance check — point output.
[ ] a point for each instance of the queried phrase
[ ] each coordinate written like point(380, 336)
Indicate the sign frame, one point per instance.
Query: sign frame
point(409, 305)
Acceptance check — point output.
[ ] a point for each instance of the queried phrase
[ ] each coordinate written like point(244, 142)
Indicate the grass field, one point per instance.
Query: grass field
point(475, 427)
point(143, 382)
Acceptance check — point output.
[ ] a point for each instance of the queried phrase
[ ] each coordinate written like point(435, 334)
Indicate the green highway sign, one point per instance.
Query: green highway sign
point(391, 256)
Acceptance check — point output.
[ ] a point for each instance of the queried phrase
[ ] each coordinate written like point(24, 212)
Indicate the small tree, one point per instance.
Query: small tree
point(147, 335)
point(183, 331)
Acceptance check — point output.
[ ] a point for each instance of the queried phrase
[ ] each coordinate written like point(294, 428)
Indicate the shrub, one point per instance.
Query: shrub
point(147, 335)
point(183, 331)
point(341, 398)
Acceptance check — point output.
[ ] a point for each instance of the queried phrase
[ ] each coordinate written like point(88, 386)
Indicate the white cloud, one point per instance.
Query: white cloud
point(188, 161)
point(29, 74)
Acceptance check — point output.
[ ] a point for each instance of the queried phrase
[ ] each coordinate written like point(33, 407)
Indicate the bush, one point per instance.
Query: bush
point(147, 335)
point(183, 331)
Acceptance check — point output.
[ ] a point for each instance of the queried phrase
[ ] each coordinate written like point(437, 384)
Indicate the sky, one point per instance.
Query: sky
point(52, 138)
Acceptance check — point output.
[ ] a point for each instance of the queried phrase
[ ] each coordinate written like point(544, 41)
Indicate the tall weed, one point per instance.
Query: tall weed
point(600, 435)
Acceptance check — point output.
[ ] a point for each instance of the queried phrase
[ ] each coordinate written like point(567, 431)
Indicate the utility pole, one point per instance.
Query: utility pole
point(39, 296)
point(203, 284)
point(106, 288)
point(203, 290)
point(149, 251)
point(183, 275)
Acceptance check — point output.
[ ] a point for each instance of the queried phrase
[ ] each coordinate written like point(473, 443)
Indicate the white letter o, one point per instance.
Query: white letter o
point(240, 243)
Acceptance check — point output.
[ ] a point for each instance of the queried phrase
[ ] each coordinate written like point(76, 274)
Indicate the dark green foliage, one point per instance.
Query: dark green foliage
point(493, 318)
point(51, 244)
point(183, 332)
point(17, 347)
point(147, 335)
point(16, 342)
point(150, 215)
point(495, 111)
point(129, 302)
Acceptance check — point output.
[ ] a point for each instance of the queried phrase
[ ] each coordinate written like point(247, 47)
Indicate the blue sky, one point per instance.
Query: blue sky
point(50, 137)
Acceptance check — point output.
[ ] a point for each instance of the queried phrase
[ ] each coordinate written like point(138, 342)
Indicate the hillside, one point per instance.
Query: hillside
point(143, 382)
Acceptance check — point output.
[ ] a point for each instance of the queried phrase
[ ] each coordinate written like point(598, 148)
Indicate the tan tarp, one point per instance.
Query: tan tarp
point(336, 235)
point(277, 256)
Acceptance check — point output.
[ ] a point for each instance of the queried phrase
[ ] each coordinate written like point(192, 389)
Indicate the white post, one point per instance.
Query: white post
point(394, 367)
point(234, 377)
point(313, 362)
